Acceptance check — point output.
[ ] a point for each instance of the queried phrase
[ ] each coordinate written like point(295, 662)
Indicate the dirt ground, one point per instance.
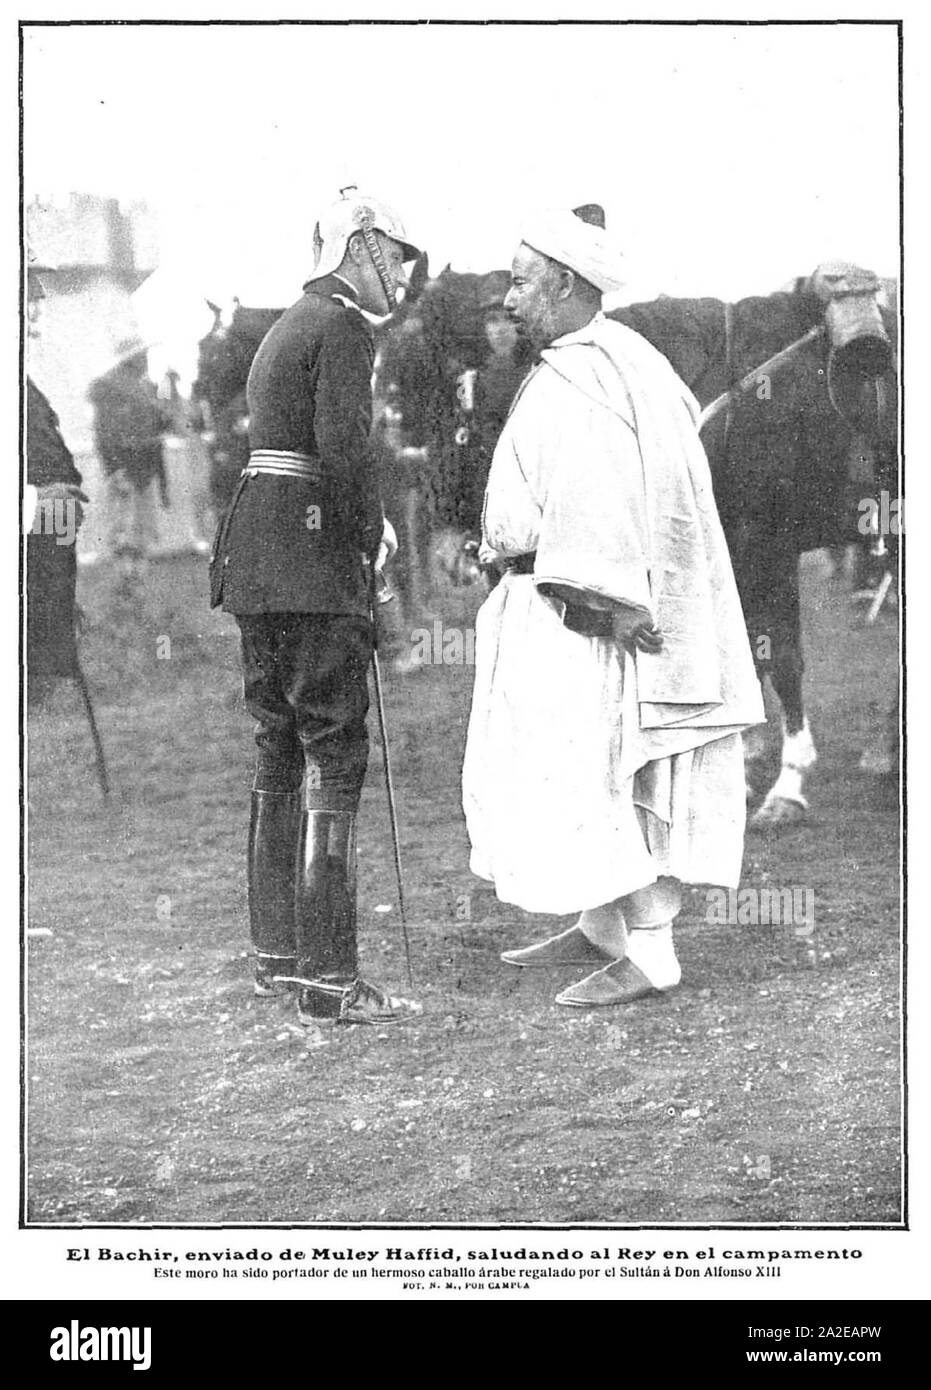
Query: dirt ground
point(766, 1089)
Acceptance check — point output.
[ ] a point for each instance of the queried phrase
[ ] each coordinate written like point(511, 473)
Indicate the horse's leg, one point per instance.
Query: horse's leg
point(754, 741)
point(785, 802)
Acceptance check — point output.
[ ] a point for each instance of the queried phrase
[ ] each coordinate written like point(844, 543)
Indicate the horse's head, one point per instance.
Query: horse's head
point(225, 355)
point(861, 357)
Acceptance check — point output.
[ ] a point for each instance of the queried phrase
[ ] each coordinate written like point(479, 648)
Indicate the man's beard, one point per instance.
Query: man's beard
point(542, 330)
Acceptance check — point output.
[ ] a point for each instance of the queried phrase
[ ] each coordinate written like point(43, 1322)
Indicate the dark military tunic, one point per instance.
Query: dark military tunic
point(51, 571)
point(288, 560)
point(295, 545)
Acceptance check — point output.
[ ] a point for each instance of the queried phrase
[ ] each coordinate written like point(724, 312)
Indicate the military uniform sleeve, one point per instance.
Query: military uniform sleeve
point(343, 422)
point(48, 458)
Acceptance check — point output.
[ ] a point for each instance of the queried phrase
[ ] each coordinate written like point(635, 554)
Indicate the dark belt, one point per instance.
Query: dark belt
point(520, 564)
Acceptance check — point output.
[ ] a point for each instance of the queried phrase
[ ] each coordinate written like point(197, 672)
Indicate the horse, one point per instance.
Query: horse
point(219, 391)
point(796, 461)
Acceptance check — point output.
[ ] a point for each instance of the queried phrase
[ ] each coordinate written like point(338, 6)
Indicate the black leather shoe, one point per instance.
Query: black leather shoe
point(266, 984)
point(358, 1002)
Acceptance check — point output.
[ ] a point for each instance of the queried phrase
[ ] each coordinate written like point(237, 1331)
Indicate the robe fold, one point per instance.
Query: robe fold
point(588, 772)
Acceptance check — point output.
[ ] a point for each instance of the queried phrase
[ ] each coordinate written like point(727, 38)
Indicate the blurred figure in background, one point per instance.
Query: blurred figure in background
point(507, 363)
point(449, 374)
point(129, 424)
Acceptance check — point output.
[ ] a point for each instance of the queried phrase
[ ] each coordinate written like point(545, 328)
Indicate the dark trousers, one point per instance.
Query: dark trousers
point(51, 575)
point(305, 680)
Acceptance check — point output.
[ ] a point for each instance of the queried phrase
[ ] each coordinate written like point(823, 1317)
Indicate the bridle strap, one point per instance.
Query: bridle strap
point(751, 378)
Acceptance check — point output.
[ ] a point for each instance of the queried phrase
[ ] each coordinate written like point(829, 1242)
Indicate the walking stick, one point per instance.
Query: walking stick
point(389, 783)
point(95, 734)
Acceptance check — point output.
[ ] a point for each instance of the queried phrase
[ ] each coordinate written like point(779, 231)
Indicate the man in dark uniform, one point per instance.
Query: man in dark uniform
point(51, 566)
point(290, 563)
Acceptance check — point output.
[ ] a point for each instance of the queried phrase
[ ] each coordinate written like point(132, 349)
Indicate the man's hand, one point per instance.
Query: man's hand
point(595, 615)
point(487, 555)
point(388, 546)
point(636, 632)
point(60, 492)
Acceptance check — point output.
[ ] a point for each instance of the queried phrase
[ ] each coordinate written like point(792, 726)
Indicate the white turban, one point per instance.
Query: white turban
point(583, 248)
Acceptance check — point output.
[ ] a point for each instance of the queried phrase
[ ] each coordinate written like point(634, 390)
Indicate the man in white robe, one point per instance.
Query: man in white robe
point(604, 765)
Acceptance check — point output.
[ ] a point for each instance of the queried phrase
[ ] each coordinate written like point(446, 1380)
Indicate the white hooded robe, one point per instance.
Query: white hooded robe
point(588, 772)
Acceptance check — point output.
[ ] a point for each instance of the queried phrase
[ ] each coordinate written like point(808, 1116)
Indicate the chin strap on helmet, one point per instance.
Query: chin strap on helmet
point(366, 221)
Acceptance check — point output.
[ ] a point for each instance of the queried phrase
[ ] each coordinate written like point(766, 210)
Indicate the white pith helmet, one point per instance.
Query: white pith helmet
point(346, 216)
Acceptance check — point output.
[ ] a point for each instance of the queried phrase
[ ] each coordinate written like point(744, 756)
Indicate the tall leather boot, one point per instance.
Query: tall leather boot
point(273, 832)
point(325, 903)
point(325, 916)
